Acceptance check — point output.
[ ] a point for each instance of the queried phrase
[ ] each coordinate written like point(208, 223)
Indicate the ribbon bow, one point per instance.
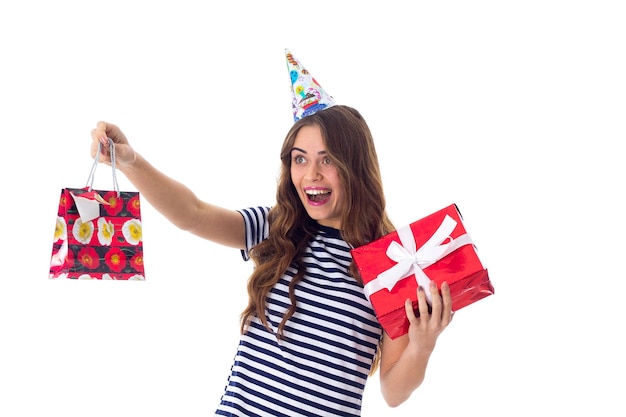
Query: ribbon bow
point(411, 260)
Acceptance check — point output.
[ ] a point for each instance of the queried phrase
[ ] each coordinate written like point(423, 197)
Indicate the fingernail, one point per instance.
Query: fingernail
point(103, 140)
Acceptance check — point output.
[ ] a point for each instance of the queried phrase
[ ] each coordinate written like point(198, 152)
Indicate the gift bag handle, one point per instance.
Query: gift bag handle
point(95, 165)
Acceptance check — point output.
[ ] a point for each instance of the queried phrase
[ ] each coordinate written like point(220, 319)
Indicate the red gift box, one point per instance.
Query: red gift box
point(436, 247)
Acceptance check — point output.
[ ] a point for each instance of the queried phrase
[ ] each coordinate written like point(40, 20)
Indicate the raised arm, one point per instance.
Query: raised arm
point(171, 198)
point(404, 359)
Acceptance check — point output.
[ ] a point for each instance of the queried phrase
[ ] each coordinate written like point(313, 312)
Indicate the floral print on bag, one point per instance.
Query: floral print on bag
point(109, 247)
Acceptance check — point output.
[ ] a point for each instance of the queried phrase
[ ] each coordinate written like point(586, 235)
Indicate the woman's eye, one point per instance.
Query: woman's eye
point(298, 159)
point(327, 161)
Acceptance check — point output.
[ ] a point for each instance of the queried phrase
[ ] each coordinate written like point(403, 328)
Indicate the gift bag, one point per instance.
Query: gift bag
point(436, 247)
point(98, 233)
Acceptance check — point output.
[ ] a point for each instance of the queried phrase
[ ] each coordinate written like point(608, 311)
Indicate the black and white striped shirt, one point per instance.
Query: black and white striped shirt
point(321, 366)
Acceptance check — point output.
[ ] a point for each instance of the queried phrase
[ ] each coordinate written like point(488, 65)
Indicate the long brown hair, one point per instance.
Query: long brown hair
point(350, 145)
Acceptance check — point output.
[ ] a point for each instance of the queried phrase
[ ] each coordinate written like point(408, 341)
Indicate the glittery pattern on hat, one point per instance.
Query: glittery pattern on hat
point(307, 96)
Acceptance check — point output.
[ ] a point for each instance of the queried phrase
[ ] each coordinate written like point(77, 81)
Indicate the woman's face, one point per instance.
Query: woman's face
point(315, 177)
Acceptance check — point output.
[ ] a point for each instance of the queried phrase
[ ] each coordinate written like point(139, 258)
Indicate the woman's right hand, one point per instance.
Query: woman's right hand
point(124, 154)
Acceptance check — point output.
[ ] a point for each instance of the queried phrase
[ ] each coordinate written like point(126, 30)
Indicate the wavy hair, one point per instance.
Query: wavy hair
point(349, 143)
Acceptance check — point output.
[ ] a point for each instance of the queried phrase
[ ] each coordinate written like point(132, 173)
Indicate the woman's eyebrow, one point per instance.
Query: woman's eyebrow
point(305, 152)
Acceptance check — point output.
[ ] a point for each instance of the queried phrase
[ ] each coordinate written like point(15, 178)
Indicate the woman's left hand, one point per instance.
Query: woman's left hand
point(425, 328)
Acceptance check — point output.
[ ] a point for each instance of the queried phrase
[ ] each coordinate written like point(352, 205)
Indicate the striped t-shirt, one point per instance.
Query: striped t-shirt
point(321, 365)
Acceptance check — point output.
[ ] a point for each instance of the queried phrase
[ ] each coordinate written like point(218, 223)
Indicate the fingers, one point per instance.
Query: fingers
point(104, 131)
point(446, 300)
point(441, 304)
point(101, 135)
point(422, 302)
point(436, 299)
point(440, 308)
point(408, 308)
point(438, 313)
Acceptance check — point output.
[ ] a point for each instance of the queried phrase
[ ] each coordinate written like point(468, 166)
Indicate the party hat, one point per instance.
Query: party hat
point(307, 96)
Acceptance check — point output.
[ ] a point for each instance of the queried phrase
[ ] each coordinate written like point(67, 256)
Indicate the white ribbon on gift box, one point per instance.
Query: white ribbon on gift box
point(412, 261)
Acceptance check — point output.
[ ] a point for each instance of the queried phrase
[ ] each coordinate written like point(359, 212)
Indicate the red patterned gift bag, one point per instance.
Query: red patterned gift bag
point(436, 247)
point(98, 233)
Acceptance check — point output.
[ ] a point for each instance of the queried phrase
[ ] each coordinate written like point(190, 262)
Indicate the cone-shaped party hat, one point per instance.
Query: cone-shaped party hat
point(307, 96)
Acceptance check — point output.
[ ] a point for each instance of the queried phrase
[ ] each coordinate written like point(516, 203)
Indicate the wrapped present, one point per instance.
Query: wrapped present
point(436, 247)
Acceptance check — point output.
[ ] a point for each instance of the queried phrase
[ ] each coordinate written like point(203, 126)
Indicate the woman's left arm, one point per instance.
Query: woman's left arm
point(404, 359)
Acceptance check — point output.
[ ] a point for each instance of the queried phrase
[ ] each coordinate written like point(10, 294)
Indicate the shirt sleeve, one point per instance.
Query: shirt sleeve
point(257, 227)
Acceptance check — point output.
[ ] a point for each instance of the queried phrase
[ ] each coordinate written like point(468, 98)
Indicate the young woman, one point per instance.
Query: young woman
point(309, 336)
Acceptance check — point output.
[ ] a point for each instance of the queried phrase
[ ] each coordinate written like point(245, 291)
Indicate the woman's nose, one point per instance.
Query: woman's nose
point(312, 173)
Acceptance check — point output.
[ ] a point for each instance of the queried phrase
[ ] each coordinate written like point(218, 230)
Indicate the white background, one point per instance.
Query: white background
point(512, 110)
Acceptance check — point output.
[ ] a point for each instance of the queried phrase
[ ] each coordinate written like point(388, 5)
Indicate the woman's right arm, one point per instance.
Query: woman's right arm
point(169, 197)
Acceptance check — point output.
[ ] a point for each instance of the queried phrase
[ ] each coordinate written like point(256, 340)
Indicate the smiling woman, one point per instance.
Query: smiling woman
point(316, 177)
point(309, 336)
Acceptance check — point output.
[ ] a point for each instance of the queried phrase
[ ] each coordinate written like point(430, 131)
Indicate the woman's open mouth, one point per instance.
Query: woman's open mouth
point(317, 196)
